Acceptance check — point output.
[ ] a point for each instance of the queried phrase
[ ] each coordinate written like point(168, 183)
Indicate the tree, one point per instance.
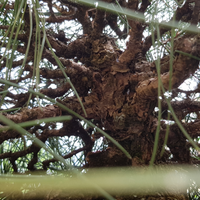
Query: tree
point(64, 57)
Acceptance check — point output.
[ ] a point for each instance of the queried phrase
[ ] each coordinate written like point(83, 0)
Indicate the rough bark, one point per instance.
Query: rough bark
point(119, 89)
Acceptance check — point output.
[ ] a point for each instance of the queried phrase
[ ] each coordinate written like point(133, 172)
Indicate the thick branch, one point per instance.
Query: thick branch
point(183, 67)
point(34, 113)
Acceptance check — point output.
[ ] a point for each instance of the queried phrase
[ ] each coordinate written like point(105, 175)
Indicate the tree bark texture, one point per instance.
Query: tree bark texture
point(118, 89)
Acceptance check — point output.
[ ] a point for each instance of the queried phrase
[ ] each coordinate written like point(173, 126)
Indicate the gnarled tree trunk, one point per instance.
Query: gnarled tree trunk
point(118, 89)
